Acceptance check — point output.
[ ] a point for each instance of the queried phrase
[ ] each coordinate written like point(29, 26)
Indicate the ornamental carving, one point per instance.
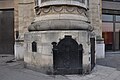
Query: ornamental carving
point(61, 10)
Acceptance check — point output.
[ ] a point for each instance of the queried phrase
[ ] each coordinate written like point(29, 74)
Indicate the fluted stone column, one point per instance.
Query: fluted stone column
point(55, 20)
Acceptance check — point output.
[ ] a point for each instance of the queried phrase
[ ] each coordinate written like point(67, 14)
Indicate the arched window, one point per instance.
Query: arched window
point(34, 46)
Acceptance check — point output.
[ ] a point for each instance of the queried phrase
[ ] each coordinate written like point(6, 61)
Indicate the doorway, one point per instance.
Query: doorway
point(7, 31)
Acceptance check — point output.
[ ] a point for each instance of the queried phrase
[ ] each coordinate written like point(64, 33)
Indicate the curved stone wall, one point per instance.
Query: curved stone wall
point(61, 17)
point(60, 25)
point(55, 20)
point(62, 9)
point(81, 3)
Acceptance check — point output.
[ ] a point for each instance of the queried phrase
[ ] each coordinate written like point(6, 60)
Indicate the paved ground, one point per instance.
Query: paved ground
point(16, 71)
point(112, 59)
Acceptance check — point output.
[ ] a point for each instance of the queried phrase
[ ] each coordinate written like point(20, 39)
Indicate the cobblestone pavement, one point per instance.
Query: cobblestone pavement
point(14, 70)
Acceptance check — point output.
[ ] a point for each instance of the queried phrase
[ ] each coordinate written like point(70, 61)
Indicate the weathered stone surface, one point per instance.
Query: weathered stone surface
point(95, 16)
point(19, 50)
point(60, 25)
point(62, 17)
point(64, 2)
point(24, 15)
point(6, 4)
point(43, 58)
point(69, 20)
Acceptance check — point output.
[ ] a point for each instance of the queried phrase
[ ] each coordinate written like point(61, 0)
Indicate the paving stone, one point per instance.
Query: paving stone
point(112, 59)
point(113, 76)
point(97, 78)
point(16, 71)
point(77, 77)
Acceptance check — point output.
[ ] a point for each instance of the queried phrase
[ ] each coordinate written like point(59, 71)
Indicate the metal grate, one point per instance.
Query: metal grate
point(67, 56)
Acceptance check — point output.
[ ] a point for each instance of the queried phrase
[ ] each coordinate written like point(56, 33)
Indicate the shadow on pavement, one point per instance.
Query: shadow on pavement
point(112, 59)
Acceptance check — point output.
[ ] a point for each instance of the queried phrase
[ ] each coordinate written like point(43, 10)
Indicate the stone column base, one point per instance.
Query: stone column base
point(100, 49)
point(42, 59)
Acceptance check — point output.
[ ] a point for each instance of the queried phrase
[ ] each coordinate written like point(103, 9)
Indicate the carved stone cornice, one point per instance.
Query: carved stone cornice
point(61, 9)
point(60, 17)
point(60, 25)
point(80, 3)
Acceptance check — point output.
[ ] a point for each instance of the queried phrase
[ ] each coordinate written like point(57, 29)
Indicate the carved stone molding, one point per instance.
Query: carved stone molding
point(60, 25)
point(61, 9)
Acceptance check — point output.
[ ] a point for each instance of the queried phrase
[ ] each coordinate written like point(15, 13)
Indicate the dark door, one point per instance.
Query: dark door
point(6, 32)
point(67, 56)
point(92, 40)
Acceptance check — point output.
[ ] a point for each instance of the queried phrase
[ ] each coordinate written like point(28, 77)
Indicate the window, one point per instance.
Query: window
point(118, 18)
point(112, 0)
point(107, 27)
point(107, 17)
point(117, 27)
point(117, 0)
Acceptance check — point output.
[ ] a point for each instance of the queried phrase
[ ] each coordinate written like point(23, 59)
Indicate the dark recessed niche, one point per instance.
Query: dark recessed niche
point(34, 46)
point(17, 34)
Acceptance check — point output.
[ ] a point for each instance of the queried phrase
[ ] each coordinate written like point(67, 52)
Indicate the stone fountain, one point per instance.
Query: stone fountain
point(59, 39)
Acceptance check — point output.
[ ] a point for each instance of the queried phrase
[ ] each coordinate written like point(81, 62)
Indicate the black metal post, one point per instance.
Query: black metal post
point(114, 35)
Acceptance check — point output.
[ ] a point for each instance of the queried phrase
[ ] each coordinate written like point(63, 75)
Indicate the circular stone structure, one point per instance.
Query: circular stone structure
point(60, 15)
point(58, 21)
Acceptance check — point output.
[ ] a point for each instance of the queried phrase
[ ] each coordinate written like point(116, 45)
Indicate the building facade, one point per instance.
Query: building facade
point(6, 27)
point(75, 20)
point(94, 17)
point(15, 17)
point(63, 24)
point(24, 14)
point(111, 24)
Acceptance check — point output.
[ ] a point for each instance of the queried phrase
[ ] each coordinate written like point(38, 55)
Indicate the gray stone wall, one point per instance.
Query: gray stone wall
point(24, 15)
point(45, 28)
point(95, 16)
point(6, 4)
point(42, 60)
